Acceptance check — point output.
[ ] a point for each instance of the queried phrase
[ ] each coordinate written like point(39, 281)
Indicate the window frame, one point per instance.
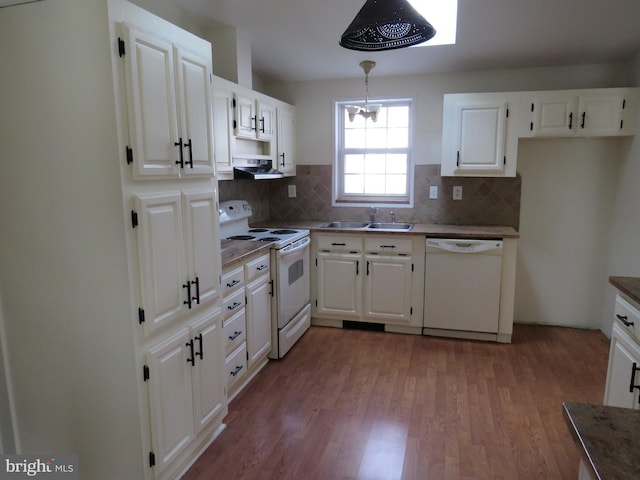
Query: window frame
point(339, 199)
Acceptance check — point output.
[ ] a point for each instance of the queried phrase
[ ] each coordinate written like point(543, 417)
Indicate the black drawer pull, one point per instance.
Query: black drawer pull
point(234, 306)
point(235, 335)
point(623, 319)
point(336, 244)
point(262, 267)
point(236, 371)
point(387, 246)
point(233, 283)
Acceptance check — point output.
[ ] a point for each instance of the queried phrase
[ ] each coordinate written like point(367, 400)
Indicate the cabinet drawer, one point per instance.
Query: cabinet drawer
point(232, 280)
point(233, 303)
point(256, 267)
point(234, 331)
point(339, 243)
point(628, 315)
point(236, 365)
point(391, 245)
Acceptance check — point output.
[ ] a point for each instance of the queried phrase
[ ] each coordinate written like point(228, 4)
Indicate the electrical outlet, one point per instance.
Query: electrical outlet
point(433, 192)
point(457, 192)
point(291, 190)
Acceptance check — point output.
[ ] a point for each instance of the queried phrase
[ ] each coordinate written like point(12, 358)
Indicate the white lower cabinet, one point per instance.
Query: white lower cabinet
point(184, 378)
point(623, 374)
point(368, 278)
point(247, 290)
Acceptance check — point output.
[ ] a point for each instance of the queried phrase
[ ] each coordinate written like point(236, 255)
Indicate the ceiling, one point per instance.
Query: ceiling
point(297, 40)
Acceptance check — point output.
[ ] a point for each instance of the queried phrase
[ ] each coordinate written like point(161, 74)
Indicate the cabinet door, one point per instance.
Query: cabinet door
point(202, 240)
point(266, 121)
point(194, 101)
point(339, 285)
point(600, 114)
point(480, 136)
point(161, 258)
point(170, 397)
point(388, 288)
point(624, 358)
point(245, 124)
point(553, 114)
point(149, 71)
point(286, 142)
point(223, 132)
point(258, 318)
point(208, 378)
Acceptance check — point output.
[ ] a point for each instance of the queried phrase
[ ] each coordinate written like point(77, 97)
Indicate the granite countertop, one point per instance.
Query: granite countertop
point(630, 286)
point(427, 229)
point(239, 250)
point(608, 437)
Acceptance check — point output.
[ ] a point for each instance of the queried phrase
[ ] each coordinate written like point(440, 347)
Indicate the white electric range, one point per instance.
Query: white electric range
point(291, 308)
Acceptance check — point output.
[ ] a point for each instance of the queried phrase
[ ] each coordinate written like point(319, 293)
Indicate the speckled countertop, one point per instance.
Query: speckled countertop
point(239, 250)
point(608, 439)
point(427, 229)
point(630, 286)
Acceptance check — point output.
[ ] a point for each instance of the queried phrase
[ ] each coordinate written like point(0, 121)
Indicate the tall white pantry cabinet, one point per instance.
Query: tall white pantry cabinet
point(110, 298)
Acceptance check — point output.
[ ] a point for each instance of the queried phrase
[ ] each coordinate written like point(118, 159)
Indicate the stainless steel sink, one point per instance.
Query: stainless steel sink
point(340, 224)
point(391, 226)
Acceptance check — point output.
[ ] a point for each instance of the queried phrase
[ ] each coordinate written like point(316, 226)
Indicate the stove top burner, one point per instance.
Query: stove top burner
point(269, 239)
point(283, 232)
point(241, 237)
point(258, 230)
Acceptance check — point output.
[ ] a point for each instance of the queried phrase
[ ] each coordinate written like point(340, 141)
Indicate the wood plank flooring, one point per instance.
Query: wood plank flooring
point(352, 404)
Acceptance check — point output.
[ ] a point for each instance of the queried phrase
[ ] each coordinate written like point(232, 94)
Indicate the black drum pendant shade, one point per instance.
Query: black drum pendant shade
point(386, 25)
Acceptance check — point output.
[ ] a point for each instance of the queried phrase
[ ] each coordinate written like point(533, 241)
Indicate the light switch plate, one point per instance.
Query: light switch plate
point(291, 190)
point(457, 192)
point(433, 192)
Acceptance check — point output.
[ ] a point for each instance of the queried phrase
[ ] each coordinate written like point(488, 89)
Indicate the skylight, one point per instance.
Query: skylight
point(443, 15)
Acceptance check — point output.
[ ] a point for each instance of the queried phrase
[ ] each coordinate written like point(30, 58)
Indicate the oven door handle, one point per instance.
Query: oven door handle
point(299, 246)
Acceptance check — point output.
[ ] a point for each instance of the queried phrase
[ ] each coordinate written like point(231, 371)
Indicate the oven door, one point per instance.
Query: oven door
point(292, 288)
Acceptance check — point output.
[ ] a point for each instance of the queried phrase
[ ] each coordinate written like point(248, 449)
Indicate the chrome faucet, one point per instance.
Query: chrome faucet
point(393, 217)
point(372, 214)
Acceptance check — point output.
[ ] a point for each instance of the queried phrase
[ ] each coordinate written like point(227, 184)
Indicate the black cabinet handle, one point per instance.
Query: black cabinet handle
point(233, 283)
point(282, 155)
point(234, 306)
point(570, 120)
point(179, 145)
point(623, 319)
point(335, 244)
point(236, 371)
point(584, 114)
point(255, 123)
point(189, 298)
point(367, 267)
point(262, 267)
point(271, 287)
point(196, 282)
point(235, 335)
point(190, 161)
point(199, 338)
point(632, 384)
point(191, 360)
point(262, 124)
point(387, 246)
point(357, 267)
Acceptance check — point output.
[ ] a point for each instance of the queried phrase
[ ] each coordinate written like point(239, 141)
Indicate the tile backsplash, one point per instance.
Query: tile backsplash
point(485, 200)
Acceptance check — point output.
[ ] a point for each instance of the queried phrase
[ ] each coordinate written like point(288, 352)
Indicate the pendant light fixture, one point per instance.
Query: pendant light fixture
point(386, 25)
point(370, 110)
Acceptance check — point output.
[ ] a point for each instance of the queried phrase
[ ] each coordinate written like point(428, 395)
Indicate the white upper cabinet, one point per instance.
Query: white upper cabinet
point(599, 112)
point(286, 141)
point(169, 107)
point(255, 119)
point(223, 128)
point(479, 137)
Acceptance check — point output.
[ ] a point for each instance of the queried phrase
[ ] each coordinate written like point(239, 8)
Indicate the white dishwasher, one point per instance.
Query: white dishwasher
point(462, 286)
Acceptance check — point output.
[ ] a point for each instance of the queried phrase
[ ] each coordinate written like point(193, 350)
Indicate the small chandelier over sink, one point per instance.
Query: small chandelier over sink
point(370, 110)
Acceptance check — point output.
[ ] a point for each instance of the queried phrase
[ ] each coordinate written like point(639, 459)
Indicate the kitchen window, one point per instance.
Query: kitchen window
point(373, 159)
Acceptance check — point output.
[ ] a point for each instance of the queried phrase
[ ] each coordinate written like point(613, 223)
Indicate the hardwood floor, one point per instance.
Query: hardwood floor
point(352, 404)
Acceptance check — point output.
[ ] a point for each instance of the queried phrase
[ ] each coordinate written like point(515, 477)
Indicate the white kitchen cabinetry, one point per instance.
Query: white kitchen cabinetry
point(255, 119)
point(598, 112)
point(623, 376)
point(368, 278)
point(169, 106)
point(479, 134)
point(177, 253)
point(186, 389)
point(224, 141)
point(247, 291)
point(286, 141)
